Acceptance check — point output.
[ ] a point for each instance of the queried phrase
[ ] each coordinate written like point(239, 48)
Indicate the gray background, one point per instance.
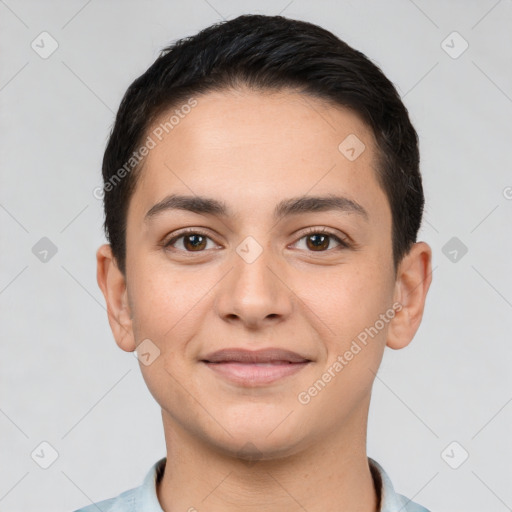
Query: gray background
point(64, 380)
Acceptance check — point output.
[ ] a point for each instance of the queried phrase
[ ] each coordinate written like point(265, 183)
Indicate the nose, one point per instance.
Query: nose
point(255, 293)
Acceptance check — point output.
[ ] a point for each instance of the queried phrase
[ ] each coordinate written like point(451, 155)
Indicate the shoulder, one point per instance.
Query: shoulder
point(125, 502)
point(391, 501)
point(139, 498)
point(410, 506)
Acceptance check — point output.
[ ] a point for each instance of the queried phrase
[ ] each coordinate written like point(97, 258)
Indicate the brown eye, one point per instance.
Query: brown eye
point(192, 241)
point(319, 240)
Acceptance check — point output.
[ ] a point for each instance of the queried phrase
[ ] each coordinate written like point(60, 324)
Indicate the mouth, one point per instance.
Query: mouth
point(254, 368)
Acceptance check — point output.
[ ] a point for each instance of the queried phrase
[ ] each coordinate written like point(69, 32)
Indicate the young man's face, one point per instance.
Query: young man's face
point(251, 280)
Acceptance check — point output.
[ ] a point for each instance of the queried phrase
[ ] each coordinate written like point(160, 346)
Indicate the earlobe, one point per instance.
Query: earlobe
point(413, 280)
point(112, 283)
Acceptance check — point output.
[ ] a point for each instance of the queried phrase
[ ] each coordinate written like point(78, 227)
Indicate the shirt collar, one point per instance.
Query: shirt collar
point(389, 500)
point(147, 499)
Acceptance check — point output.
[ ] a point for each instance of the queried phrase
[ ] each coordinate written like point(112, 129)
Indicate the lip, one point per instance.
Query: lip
point(255, 367)
point(266, 355)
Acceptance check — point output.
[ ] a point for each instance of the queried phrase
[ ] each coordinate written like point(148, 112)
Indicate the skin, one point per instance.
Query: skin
point(251, 150)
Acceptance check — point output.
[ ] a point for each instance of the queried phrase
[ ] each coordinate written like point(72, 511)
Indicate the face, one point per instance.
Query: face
point(258, 265)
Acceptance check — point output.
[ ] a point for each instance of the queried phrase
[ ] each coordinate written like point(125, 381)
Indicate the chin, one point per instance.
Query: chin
point(251, 442)
point(251, 452)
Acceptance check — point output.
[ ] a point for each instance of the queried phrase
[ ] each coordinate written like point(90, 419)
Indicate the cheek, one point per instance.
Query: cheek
point(348, 298)
point(166, 312)
point(351, 305)
point(160, 300)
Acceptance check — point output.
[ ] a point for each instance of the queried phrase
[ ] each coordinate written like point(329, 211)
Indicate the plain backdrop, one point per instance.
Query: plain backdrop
point(64, 381)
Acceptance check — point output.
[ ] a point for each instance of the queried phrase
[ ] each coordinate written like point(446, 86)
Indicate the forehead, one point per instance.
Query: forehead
point(254, 148)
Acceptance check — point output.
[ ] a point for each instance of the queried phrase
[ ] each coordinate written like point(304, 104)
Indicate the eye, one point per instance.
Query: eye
point(192, 241)
point(318, 240)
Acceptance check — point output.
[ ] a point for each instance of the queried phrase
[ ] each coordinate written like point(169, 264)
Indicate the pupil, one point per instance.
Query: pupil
point(315, 244)
point(195, 244)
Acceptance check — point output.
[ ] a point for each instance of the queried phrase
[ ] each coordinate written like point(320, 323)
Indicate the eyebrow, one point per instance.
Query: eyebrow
point(293, 206)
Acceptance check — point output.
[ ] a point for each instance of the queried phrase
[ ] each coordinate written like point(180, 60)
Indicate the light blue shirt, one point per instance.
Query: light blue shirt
point(144, 497)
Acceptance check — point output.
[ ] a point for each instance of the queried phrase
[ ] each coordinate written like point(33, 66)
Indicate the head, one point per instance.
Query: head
point(301, 168)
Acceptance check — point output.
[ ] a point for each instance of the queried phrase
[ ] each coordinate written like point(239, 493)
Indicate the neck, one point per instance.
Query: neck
point(331, 475)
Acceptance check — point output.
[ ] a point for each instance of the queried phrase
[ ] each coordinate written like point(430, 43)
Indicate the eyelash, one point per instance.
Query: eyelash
point(343, 243)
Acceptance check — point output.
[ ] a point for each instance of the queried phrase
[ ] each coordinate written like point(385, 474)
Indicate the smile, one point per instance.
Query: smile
point(255, 374)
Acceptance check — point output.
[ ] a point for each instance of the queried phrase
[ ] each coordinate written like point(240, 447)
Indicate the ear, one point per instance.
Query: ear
point(414, 275)
point(113, 285)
